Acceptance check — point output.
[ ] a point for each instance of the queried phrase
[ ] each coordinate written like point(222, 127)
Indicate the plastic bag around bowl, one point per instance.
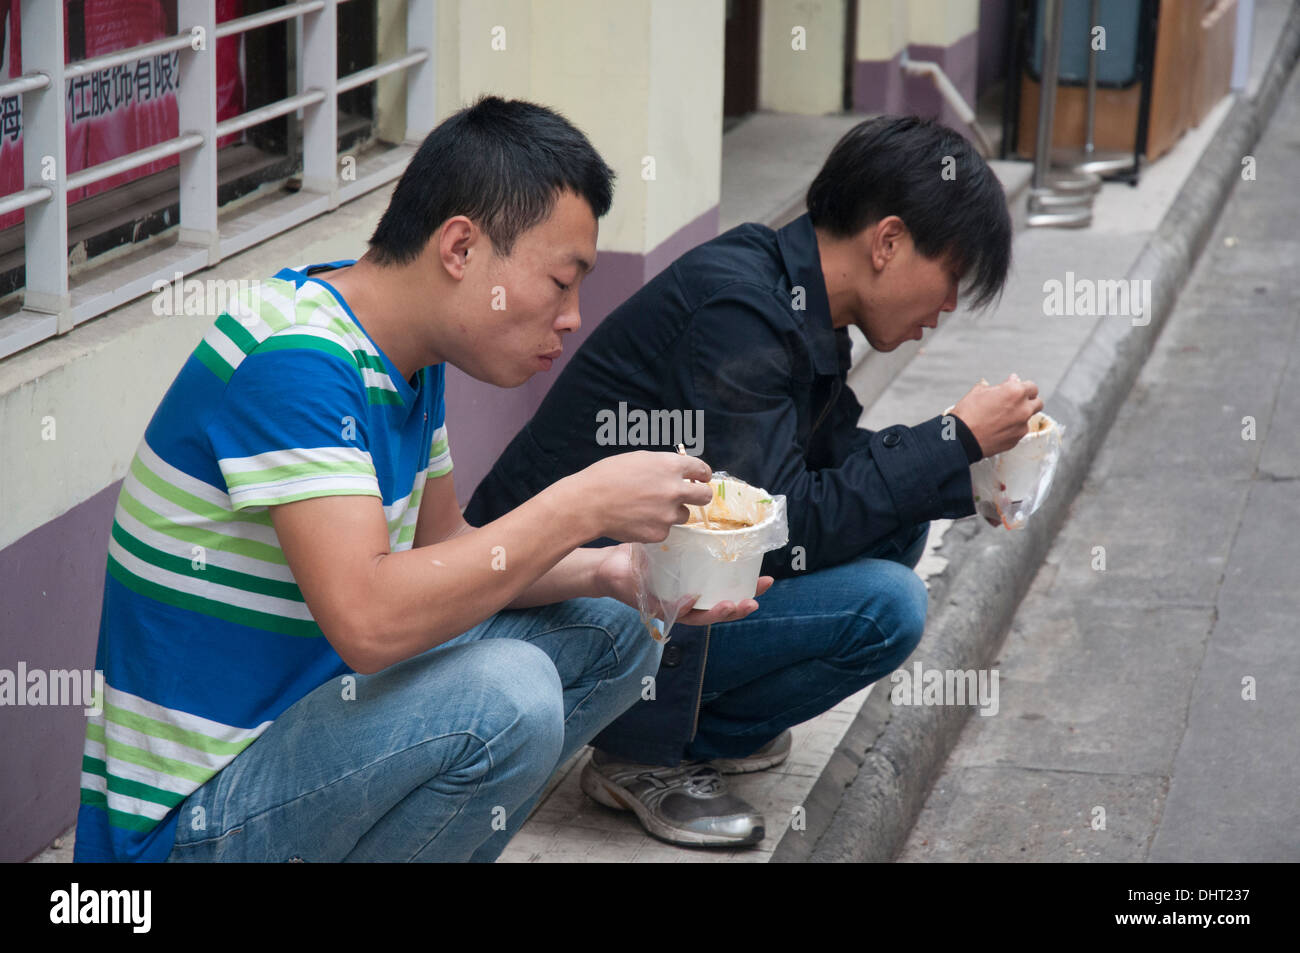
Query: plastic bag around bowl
point(1011, 485)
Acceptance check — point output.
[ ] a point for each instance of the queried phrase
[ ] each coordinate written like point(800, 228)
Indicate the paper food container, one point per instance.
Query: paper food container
point(716, 561)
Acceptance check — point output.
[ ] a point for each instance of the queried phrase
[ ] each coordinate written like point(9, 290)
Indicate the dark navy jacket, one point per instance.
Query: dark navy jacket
point(740, 329)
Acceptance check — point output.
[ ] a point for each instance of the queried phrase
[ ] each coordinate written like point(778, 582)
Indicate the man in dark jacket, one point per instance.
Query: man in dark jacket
point(740, 351)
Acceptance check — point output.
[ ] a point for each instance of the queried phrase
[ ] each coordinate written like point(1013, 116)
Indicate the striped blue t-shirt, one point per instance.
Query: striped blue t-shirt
point(204, 638)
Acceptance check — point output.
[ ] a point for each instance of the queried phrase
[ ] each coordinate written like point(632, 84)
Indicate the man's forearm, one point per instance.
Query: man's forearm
point(425, 596)
point(572, 577)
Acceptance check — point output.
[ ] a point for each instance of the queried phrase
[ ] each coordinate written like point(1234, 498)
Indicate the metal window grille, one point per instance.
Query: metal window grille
point(51, 304)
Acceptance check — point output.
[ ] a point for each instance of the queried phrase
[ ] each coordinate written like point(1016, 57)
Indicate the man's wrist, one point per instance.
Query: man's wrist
point(571, 510)
point(594, 583)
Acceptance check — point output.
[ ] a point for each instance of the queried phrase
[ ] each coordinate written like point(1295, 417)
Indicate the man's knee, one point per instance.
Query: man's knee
point(526, 714)
point(893, 615)
point(639, 651)
point(635, 653)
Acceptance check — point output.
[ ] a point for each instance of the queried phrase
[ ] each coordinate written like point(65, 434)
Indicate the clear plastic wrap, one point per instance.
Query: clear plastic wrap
point(1010, 486)
point(716, 556)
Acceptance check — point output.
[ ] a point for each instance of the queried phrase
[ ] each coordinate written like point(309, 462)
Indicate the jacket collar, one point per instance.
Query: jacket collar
point(798, 244)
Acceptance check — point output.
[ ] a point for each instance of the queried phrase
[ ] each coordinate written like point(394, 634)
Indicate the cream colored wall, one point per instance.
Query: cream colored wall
point(885, 26)
point(881, 28)
point(483, 69)
point(639, 77)
point(809, 80)
point(592, 64)
point(684, 133)
point(942, 22)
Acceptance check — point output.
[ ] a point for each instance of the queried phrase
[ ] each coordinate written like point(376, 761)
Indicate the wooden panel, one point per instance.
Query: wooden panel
point(1175, 92)
point(1174, 81)
point(1218, 37)
point(1115, 125)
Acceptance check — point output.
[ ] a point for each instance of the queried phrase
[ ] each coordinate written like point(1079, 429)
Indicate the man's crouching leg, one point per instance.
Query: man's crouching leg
point(419, 762)
point(606, 660)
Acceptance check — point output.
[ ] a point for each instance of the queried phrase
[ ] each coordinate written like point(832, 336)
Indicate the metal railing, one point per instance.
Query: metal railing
point(52, 304)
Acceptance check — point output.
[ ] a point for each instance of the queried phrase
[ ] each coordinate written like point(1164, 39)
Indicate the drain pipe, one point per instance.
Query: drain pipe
point(950, 95)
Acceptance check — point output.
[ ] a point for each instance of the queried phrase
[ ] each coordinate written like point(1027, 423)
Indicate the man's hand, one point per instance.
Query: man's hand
point(621, 575)
point(637, 497)
point(999, 416)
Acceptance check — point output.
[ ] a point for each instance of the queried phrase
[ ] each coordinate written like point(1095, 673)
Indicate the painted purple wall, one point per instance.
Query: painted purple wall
point(959, 61)
point(879, 86)
point(52, 579)
point(51, 584)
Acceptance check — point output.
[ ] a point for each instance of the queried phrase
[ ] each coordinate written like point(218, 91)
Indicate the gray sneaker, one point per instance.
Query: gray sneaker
point(768, 756)
point(688, 804)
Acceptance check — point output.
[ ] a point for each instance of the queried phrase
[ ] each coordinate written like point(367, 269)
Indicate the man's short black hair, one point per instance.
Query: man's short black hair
point(502, 164)
point(899, 165)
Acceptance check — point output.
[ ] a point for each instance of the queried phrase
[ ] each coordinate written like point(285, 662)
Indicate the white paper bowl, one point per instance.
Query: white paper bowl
point(1019, 467)
point(720, 565)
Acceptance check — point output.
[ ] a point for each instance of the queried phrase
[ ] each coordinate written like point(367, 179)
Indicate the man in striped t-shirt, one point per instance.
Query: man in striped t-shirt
point(308, 654)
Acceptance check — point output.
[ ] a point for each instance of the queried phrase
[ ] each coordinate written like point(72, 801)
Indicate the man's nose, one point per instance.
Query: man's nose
point(951, 303)
point(569, 319)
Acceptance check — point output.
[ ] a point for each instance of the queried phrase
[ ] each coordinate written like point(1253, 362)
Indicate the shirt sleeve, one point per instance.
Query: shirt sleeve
point(439, 449)
point(744, 377)
point(292, 425)
point(439, 454)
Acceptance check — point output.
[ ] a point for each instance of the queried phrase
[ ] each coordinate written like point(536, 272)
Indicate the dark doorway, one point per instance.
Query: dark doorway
point(740, 61)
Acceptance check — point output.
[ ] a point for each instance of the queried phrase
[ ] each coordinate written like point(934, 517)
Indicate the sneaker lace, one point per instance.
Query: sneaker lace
point(704, 780)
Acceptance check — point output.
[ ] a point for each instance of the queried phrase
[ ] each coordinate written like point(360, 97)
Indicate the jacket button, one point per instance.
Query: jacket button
point(672, 655)
point(891, 440)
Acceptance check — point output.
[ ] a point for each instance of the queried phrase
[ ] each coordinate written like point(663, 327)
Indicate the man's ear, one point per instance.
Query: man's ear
point(456, 243)
point(887, 238)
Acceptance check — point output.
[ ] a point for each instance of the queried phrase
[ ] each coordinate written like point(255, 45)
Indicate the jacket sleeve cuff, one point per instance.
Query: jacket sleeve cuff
point(974, 453)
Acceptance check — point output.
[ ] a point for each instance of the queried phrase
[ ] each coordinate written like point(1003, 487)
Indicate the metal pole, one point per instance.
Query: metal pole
point(196, 103)
point(1047, 92)
point(320, 126)
point(45, 165)
point(1057, 198)
point(1093, 16)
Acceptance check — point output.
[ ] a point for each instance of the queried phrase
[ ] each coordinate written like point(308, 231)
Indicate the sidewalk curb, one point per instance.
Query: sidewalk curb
point(866, 800)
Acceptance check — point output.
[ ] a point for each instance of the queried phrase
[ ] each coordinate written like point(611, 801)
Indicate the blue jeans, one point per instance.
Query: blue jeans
point(815, 640)
point(437, 758)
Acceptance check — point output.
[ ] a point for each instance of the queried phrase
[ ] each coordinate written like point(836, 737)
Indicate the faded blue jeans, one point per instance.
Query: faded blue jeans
point(814, 640)
point(438, 758)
